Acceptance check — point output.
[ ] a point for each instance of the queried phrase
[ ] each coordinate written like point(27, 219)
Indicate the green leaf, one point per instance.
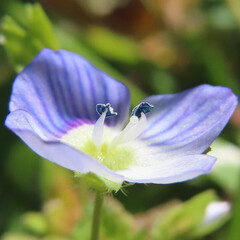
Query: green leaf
point(183, 220)
point(27, 36)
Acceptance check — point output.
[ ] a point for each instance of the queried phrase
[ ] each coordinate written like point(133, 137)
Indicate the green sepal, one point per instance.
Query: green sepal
point(98, 183)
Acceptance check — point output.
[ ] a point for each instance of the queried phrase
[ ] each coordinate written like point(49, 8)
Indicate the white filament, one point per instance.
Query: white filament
point(136, 130)
point(133, 129)
point(97, 135)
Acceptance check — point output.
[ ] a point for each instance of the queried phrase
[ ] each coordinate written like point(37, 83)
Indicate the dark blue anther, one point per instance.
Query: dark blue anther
point(143, 107)
point(101, 108)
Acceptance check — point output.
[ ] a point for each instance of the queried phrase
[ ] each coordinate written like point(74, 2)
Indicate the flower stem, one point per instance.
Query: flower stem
point(97, 215)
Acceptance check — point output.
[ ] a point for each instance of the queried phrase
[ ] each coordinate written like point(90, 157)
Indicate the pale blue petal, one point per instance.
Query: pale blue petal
point(57, 152)
point(188, 122)
point(170, 170)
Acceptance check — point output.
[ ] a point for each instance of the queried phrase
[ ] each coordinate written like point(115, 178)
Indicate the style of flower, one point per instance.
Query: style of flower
point(71, 113)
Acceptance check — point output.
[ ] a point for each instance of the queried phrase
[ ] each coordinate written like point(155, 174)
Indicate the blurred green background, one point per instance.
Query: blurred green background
point(154, 47)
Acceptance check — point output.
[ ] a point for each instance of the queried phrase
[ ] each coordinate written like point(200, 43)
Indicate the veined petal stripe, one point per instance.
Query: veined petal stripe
point(67, 86)
point(45, 109)
point(182, 97)
point(93, 94)
point(82, 91)
point(183, 115)
point(196, 136)
point(33, 113)
point(167, 141)
point(60, 105)
point(119, 107)
point(170, 109)
point(63, 90)
point(179, 98)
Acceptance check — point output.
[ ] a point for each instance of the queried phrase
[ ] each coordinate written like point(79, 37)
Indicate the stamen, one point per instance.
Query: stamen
point(134, 119)
point(101, 108)
point(136, 125)
point(136, 130)
point(133, 129)
point(143, 107)
point(105, 110)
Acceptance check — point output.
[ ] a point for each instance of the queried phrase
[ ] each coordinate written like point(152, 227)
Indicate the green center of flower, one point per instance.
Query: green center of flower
point(116, 158)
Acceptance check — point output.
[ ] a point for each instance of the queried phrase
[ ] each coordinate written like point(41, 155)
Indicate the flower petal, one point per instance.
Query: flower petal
point(20, 120)
point(170, 170)
point(57, 152)
point(188, 122)
point(60, 88)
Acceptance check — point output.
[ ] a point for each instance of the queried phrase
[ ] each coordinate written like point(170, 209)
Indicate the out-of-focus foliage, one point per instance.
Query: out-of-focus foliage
point(226, 170)
point(154, 47)
point(113, 46)
point(187, 219)
point(26, 34)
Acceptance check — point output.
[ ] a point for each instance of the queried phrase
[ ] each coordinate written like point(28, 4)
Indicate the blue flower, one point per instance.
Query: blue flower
point(72, 114)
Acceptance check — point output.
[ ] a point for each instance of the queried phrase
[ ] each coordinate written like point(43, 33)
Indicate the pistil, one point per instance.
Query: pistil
point(136, 125)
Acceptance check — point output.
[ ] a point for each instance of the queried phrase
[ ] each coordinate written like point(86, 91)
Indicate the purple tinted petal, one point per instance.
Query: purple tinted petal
point(66, 156)
point(170, 170)
point(21, 120)
point(59, 88)
point(188, 122)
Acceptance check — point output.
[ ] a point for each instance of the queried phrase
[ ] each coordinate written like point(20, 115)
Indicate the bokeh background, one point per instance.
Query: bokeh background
point(154, 47)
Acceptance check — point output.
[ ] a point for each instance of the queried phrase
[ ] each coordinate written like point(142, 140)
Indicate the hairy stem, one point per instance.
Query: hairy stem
point(97, 215)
